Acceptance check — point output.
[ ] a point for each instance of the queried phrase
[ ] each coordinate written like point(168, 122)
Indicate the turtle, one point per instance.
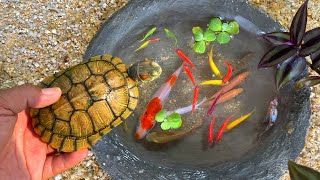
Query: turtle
point(97, 95)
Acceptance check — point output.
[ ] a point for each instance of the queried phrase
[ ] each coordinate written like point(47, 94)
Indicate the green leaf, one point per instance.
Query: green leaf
point(149, 33)
point(308, 82)
point(165, 125)
point(225, 27)
point(209, 36)
point(233, 28)
point(200, 47)
point(198, 36)
point(174, 117)
point(161, 116)
point(298, 172)
point(176, 125)
point(215, 24)
point(197, 29)
point(170, 34)
point(223, 38)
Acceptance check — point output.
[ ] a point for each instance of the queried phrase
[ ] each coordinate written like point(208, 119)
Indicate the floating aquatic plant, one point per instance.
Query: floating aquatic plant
point(217, 30)
point(173, 121)
point(291, 49)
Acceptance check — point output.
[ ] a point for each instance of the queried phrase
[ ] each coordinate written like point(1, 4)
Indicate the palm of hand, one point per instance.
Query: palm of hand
point(27, 156)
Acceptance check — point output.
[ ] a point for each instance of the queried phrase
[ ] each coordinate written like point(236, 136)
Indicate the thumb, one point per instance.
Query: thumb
point(27, 96)
point(17, 99)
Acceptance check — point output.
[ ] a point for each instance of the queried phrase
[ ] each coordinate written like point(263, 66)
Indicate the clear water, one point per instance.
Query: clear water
point(259, 90)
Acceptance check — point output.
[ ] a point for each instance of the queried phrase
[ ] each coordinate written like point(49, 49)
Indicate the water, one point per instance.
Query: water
point(191, 151)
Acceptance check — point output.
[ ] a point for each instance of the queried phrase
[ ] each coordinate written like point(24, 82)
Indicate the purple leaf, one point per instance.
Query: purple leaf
point(315, 57)
point(308, 82)
point(290, 70)
point(277, 38)
point(298, 172)
point(311, 42)
point(277, 55)
point(298, 24)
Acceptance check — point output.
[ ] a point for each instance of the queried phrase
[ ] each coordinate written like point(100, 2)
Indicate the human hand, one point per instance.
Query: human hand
point(22, 153)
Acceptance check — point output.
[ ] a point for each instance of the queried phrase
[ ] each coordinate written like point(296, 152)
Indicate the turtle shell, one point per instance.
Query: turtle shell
point(96, 96)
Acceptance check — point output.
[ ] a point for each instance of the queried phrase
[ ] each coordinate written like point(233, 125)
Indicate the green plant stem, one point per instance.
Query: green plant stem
point(316, 70)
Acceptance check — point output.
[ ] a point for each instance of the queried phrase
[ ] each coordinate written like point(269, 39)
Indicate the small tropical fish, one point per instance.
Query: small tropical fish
point(222, 128)
point(214, 103)
point(213, 66)
point(238, 121)
point(149, 33)
point(147, 120)
point(229, 73)
point(189, 73)
point(195, 97)
point(145, 44)
point(212, 82)
point(272, 113)
point(210, 131)
point(234, 82)
point(185, 58)
point(225, 97)
point(170, 34)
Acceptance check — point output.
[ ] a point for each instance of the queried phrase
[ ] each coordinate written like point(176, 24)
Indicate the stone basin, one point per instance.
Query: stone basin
point(240, 155)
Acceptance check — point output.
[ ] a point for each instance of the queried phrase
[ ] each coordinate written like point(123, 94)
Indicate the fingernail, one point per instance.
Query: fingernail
point(50, 91)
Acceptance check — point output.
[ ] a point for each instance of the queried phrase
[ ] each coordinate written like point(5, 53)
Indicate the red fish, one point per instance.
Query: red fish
point(189, 73)
point(210, 131)
point(195, 97)
point(229, 73)
point(147, 120)
point(185, 58)
point(222, 128)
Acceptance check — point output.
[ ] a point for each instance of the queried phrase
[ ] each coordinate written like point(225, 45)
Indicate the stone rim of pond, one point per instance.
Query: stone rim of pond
point(267, 163)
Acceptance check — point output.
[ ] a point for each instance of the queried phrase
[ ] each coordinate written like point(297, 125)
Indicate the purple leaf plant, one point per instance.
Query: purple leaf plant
point(291, 49)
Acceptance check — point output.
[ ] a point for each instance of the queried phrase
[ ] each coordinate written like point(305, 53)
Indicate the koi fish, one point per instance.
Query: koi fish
point(272, 113)
point(147, 120)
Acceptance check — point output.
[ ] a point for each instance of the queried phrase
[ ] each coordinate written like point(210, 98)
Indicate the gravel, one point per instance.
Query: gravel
point(38, 38)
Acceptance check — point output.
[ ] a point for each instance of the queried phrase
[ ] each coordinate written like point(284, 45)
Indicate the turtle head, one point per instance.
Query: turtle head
point(145, 71)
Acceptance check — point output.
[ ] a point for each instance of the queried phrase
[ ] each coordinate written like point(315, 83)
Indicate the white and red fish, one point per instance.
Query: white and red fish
point(147, 120)
point(272, 113)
